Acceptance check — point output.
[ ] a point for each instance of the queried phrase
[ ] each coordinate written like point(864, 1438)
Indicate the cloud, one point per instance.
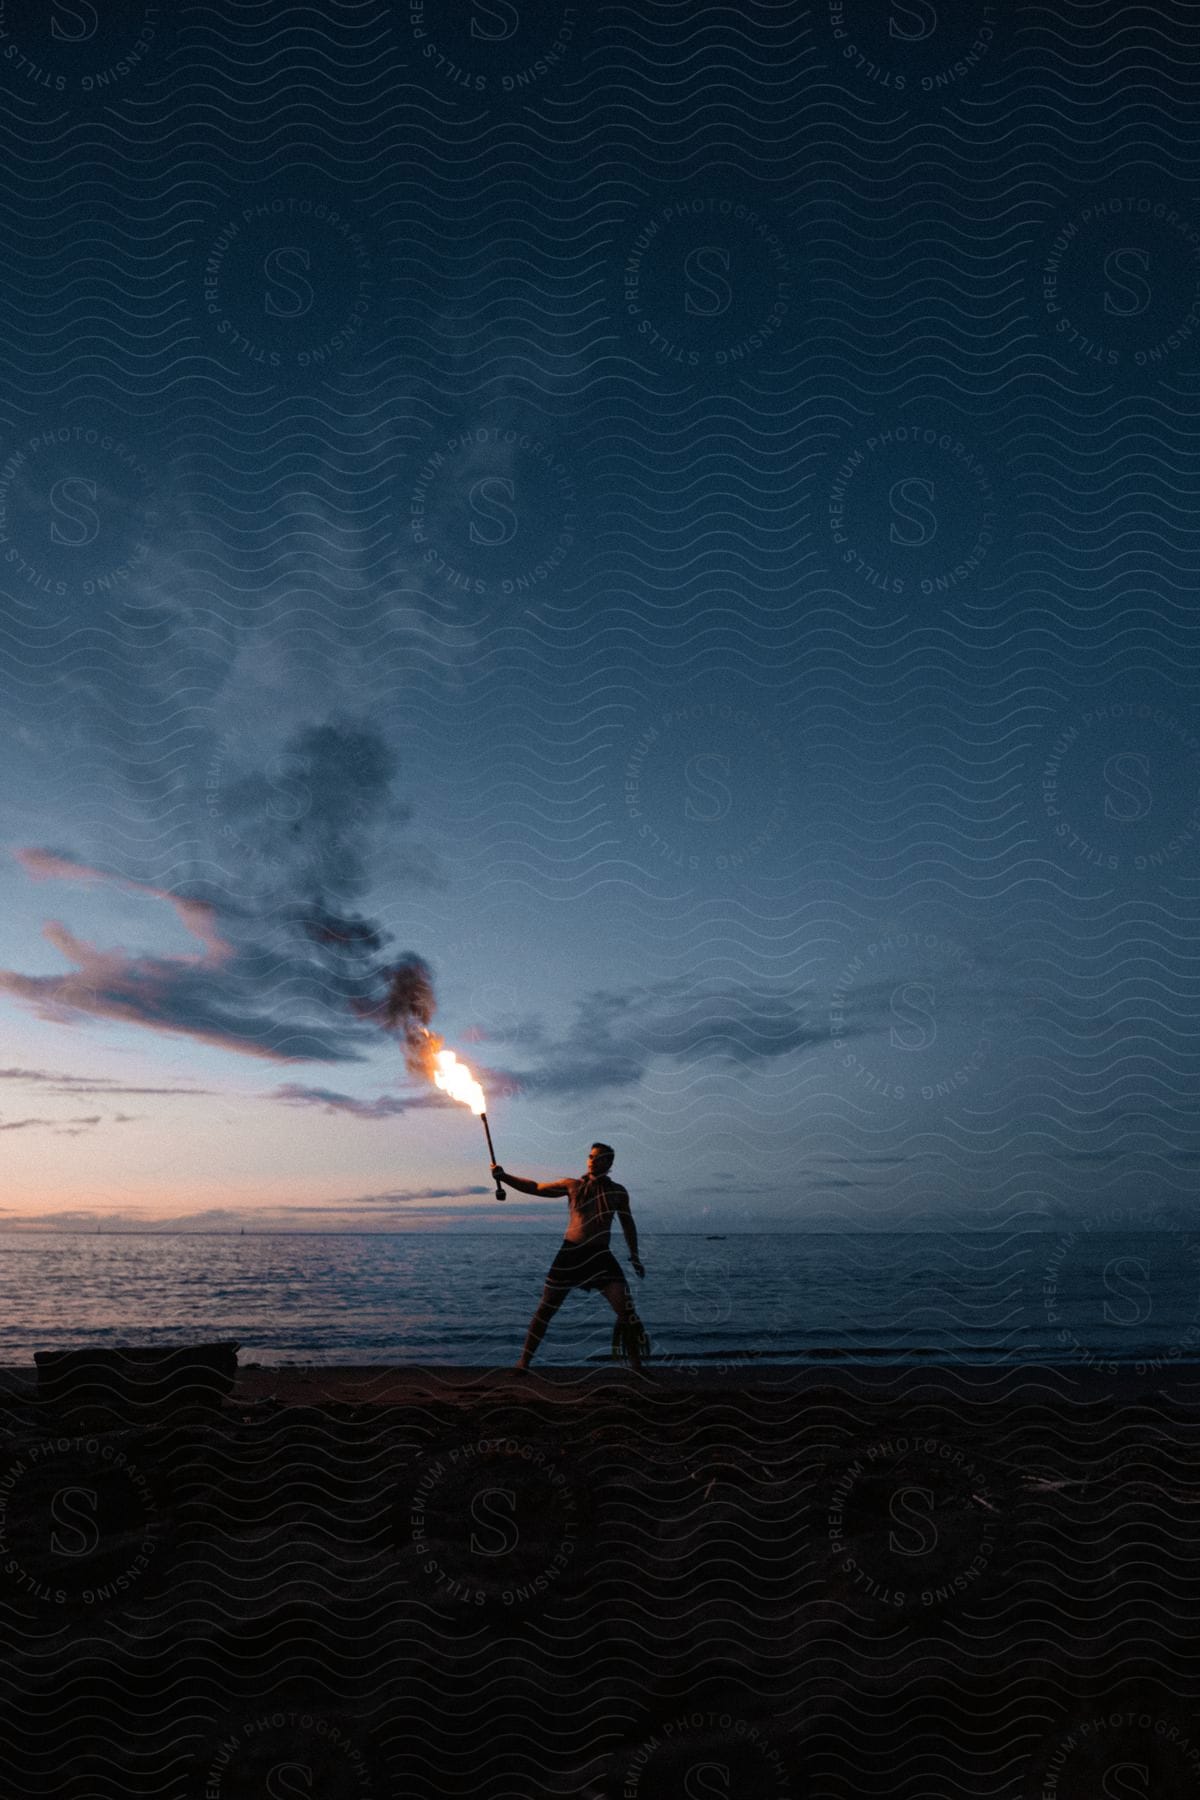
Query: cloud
point(287, 971)
point(315, 814)
point(73, 1219)
point(395, 1197)
point(61, 1127)
point(215, 996)
point(184, 646)
point(385, 1106)
point(866, 1008)
point(87, 1084)
point(377, 1210)
point(616, 1035)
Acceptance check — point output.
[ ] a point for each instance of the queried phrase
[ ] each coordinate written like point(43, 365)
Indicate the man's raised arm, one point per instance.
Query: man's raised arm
point(561, 1186)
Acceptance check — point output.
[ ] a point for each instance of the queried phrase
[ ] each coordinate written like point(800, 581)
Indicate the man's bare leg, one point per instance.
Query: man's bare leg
point(621, 1300)
point(552, 1298)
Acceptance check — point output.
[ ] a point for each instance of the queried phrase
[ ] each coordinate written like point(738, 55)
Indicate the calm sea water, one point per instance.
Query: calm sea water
point(1078, 1297)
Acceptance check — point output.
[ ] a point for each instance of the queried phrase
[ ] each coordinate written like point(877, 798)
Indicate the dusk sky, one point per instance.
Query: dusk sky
point(683, 517)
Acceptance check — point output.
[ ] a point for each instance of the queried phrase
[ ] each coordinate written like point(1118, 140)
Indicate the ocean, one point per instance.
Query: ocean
point(1079, 1297)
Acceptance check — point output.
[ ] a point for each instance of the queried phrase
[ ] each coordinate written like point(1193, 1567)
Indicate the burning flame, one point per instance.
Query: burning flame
point(454, 1078)
point(407, 1009)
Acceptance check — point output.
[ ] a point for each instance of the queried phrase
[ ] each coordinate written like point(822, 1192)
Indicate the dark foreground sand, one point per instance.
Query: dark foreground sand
point(424, 1582)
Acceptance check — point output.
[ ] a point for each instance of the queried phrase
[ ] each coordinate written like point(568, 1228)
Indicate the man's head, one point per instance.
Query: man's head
point(600, 1159)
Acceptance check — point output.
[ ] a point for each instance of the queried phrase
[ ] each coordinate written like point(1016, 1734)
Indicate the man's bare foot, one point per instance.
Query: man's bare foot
point(520, 1368)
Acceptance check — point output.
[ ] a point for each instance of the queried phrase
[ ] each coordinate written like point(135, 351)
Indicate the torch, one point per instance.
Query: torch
point(454, 1078)
point(408, 1007)
point(487, 1132)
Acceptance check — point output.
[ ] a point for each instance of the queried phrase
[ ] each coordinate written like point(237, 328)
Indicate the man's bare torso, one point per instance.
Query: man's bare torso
point(592, 1202)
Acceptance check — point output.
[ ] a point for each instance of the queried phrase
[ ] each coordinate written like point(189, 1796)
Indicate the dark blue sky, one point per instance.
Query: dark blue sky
point(685, 519)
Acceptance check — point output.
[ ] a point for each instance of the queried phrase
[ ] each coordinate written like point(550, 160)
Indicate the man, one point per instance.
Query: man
point(584, 1259)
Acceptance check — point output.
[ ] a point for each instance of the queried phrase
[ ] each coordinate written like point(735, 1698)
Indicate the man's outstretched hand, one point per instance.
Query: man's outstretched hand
point(497, 1172)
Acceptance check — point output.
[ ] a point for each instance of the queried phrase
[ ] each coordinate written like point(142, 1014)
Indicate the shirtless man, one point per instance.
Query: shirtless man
point(584, 1259)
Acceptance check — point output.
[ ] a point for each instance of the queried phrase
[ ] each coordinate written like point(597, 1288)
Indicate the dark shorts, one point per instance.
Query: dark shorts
point(584, 1266)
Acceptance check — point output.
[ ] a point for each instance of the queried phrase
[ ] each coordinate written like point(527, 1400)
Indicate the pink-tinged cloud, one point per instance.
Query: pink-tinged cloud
point(55, 865)
point(183, 995)
point(291, 971)
point(261, 984)
point(198, 916)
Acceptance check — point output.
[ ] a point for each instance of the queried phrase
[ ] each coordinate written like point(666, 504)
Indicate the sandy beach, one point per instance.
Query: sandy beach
point(427, 1581)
